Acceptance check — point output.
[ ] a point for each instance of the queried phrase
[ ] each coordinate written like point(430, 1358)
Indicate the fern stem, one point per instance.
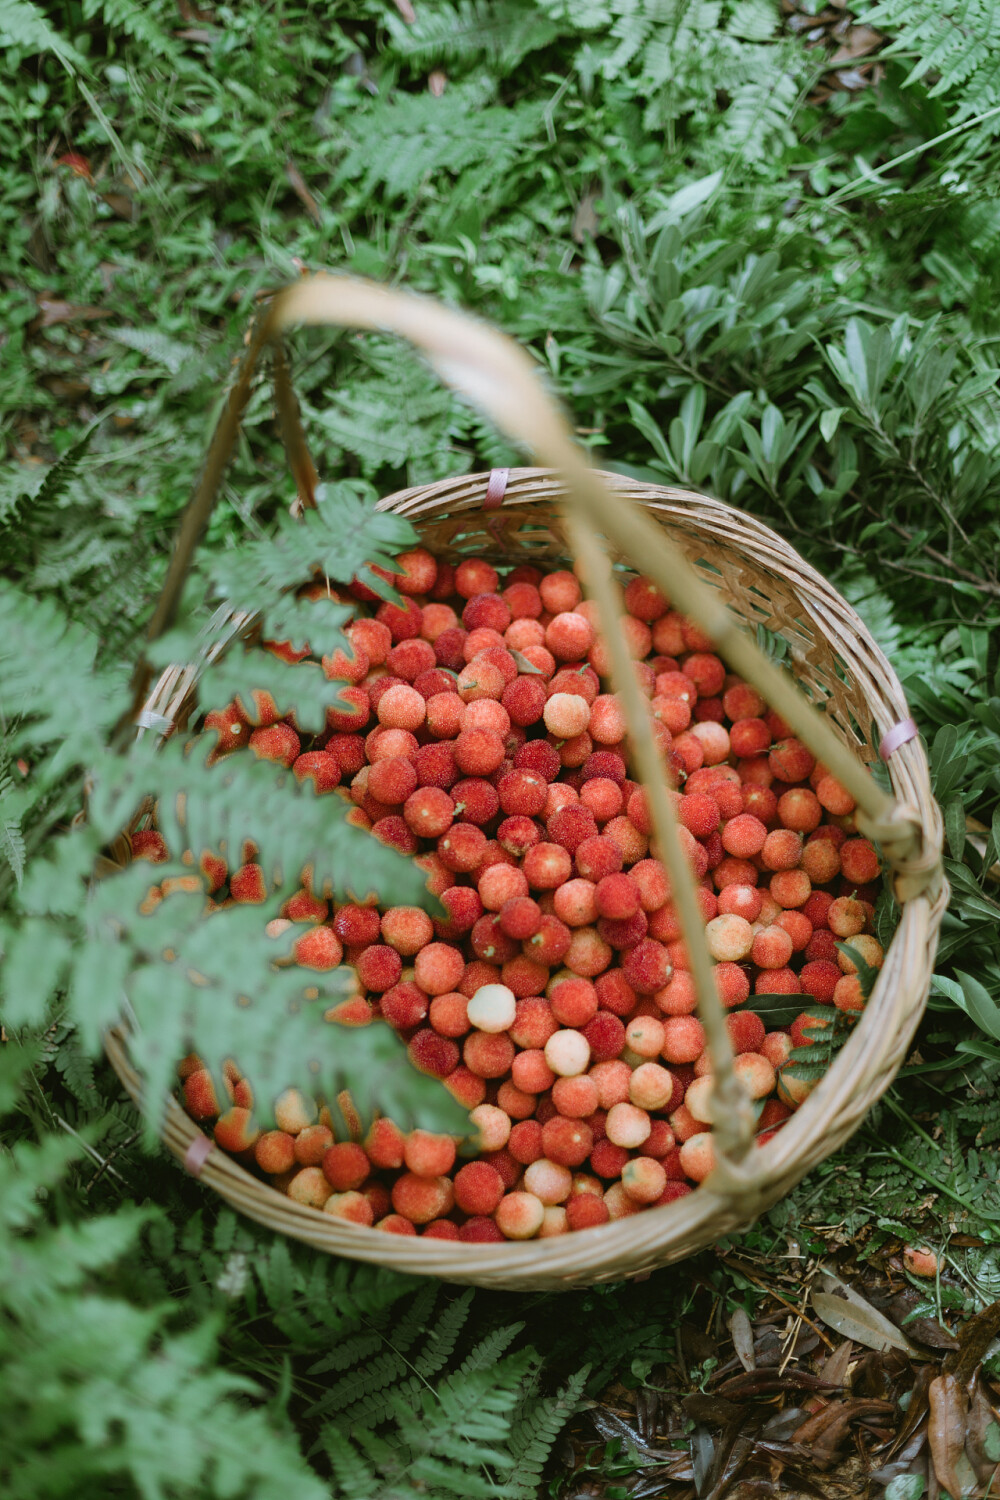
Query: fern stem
point(896, 161)
point(933, 1182)
point(902, 1114)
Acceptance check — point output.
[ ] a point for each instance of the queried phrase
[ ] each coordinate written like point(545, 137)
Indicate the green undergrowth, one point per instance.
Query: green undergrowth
point(735, 285)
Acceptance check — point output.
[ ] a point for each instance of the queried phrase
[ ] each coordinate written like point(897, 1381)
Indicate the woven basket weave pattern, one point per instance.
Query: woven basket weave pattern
point(839, 667)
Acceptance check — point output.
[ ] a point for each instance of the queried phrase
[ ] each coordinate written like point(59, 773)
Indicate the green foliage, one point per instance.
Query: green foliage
point(826, 1038)
point(472, 32)
point(12, 844)
point(446, 1437)
point(98, 1390)
point(956, 47)
point(25, 27)
point(538, 1422)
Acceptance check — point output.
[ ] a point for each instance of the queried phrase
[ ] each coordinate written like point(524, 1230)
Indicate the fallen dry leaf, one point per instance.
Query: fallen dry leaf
point(857, 42)
point(836, 1365)
point(78, 165)
point(737, 1453)
point(742, 1335)
point(861, 1323)
point(823, 1432)
point(981, 1419)
point(66, 389)
point(301, 191)
point(949, 1410)
point(974, 1340)
point(762, 1382)
point(851, 79)
point(121, 205)
point(52, 311)
point(705, 1408)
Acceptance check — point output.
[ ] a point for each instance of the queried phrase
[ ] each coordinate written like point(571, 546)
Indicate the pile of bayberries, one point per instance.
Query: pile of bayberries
point(476, 731)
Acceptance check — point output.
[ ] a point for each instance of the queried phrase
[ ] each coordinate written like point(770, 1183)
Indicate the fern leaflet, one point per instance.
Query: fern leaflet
point(12, 844)
point(25, 26)
point(536, 1426)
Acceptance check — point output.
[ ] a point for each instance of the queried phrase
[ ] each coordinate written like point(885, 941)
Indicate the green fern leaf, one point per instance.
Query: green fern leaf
point(338, 539)
point(956, 44)
point(354, 1477)
point(76, 1069)
point(760, 112)
point(754, 20)
point(12, 844)
point(401, 146)
point(442, 1337)
point(28, 515)
point(135, 21)
point(487, 1352)
point(536, 1426)
point(68, 705)
point(24, 26)
point(349, 1353)
point(503, 32)
point(377, 1375)
point(170, 353)
point(242, 798)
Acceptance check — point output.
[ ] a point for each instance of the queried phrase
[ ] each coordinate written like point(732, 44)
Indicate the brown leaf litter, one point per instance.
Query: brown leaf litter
point(837, 1384)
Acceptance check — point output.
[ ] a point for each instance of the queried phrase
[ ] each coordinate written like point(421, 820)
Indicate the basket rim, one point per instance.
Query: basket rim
point(622, 1248)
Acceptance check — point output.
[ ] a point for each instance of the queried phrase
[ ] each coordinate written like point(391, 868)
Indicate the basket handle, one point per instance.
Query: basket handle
point(499, 377)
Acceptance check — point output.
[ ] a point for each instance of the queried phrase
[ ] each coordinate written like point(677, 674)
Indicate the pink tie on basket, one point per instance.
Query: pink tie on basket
point(900, 734)
point(197, 1154)
point(496, 489)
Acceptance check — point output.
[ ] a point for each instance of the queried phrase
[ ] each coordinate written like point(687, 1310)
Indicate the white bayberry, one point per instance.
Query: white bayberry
point(567, 1053)
point(492, 1008)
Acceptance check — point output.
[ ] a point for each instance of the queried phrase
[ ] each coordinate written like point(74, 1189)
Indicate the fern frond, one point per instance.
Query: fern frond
point(75, 1068)
point(378, 1374)
point(354, 1476)
point(437, 1348)
point(28, 515)
point(135, 21)
point(442, 1337)
point(336, 540)
point(454, 1433)
point(402, 147)
point(349, 1353)
point(157, 347)
point(754, 20)
point(25, 26)
point(67, 704)
point(242, 798)
point(957, 46)
point(488, 1351)
point(760, 112)
point(536, 1426)
point(12, 845)
point(502, 31)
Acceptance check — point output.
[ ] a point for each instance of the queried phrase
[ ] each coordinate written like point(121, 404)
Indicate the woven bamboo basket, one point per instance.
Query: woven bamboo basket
point(731, 574)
